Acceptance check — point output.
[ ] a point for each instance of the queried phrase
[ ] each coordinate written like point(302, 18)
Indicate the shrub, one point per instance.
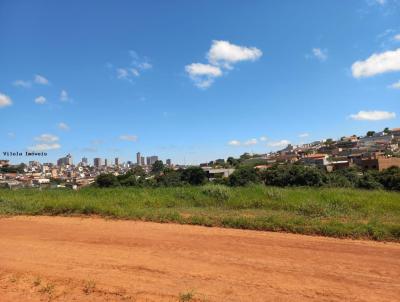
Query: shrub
point(243, 176)
point(107, 180)
point(390, 178)
point(170, 179)
point(369, 181)
point(294, 175)
point(194, 176)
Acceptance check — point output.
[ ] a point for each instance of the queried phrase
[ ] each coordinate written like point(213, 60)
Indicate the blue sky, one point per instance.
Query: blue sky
point(194, 80)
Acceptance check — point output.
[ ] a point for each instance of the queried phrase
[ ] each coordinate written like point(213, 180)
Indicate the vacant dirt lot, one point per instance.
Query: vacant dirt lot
point(91, 259)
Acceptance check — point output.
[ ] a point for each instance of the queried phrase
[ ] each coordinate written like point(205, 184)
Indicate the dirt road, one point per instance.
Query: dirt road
point(91, 259)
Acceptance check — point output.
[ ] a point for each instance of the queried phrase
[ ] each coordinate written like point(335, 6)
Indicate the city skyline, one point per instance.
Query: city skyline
point(282, 73)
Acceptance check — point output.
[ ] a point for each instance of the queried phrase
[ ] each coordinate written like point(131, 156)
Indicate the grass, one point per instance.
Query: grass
point(335, 212)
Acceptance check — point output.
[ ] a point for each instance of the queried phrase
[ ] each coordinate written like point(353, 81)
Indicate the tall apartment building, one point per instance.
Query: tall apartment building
point(138, 157)
point(63, 161)
point(84, 160)
point(106, 162)
point(142, 160)
point(151, 159)
point(168, 162)
point(116, 161)
point(97, 162)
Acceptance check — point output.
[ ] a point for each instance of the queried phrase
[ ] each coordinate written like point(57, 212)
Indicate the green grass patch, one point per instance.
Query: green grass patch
point(336, 212)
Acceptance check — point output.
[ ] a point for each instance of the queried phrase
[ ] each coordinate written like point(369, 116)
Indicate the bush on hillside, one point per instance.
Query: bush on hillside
point(243, 177)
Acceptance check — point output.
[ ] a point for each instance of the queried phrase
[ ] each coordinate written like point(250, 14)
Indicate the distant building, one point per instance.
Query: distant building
point(377, 162)
point(168, 162)
point(84, 160)
point(64, 161)
point(116, 161)
point(138, 158)
point(34, 163)
point(142, 160)
point(217, 173)
point(317, 159)
point(4, 163)
point(377, 139)
point(106, 162)
point(151, 160)
point(97, 162)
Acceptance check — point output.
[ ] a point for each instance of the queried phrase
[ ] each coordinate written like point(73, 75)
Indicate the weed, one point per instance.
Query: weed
point(37, 281)
point(89, 287)
point(13, 279)
point(186, 297)
point(47, 289)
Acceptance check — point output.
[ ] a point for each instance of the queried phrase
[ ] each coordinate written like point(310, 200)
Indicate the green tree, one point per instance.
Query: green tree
point(157, 167)
point(370, 133)
point(243, 176)
point(194, 176)
point(138, 171)
point(233, 162)
point(390, 178)
point(170, 178)
point(294, 175)
point(369, 181)
point(107, 180)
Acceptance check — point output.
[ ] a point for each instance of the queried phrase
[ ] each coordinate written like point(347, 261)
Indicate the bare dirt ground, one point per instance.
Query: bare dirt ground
point(92, 259)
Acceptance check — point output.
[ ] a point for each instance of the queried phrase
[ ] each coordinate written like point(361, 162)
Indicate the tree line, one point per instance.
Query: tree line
point(277, 175)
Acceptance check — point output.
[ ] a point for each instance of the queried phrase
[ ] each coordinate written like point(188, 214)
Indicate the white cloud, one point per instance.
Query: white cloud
point(47, 138)
point(225, 53)
point(41, 80)
point(63, 126)
point(388, 61)
point(145, 65)
point(251, 142)
point(5, 100)
point(122, 73)
point(395, 85)
point(40, 100)
point(373, 115)
point(203, 74)
point(44, 147)
point(22, 83)
point(135, 72)
point(64, 95)
point(199, 69)
point(320, 54)
point(222, 54)
point(304, 135)
point(279, 144)
point(396, 37)
point(234, 143)
point(263, 138)
point(134, 69)
point(381, 2)
point(130, 138)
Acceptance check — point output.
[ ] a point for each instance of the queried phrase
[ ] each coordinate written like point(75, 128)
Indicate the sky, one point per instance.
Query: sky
point(193, 80)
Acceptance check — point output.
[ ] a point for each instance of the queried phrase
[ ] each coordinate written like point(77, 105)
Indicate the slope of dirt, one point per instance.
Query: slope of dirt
point(92, 259)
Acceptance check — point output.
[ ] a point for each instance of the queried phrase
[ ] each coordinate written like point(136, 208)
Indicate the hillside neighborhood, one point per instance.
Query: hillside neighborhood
point(373, 151)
